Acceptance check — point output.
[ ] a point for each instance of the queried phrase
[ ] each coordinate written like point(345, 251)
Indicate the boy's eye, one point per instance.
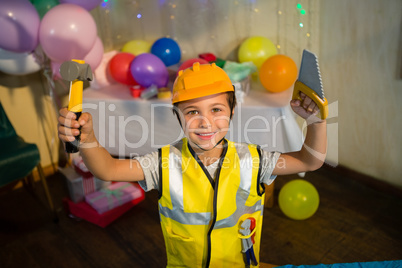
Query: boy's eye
point(215, 110)
point(192, 112)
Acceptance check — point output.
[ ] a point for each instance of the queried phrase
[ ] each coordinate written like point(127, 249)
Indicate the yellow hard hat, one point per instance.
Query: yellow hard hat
point(200, 81)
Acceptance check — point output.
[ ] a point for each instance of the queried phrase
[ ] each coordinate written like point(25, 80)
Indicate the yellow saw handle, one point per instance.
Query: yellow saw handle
point(322, 104)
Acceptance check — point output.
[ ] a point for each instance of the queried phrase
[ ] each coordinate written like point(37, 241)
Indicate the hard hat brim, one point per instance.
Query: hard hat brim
point(194, 93)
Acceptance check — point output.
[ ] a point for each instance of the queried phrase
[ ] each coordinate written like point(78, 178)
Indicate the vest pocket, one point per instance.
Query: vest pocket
point(181, 250)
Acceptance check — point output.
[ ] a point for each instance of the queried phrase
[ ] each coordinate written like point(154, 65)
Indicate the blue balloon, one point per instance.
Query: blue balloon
point(147, 69)
point(167, 50)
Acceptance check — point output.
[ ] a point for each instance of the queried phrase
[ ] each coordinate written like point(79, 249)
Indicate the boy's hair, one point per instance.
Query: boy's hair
point(231, 97)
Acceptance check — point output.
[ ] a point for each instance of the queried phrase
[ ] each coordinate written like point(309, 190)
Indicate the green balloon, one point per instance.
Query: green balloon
point(298, 199)
point(43, 6)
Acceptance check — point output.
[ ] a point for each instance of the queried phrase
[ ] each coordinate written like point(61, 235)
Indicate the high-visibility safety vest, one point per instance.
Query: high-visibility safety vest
point(200, 215)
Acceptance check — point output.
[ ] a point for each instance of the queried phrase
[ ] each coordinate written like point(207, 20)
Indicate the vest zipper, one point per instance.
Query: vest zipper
point(215, 210)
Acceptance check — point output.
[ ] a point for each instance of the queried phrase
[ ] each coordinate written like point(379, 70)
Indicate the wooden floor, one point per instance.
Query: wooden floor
point(354, 223)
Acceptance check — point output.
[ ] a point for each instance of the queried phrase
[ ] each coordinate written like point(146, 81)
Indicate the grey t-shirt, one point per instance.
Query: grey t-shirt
point(150, 167)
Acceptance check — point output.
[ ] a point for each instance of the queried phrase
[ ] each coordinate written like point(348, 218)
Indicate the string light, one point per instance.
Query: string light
point(139, 16)
point(301, 24)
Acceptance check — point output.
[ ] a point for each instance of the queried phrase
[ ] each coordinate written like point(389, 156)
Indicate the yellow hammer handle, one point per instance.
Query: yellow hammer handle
point(322, 104)
point(76, 90)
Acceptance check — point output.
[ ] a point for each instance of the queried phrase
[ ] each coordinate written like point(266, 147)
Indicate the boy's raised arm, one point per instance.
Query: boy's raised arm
point(314, 149)
point(96, 158)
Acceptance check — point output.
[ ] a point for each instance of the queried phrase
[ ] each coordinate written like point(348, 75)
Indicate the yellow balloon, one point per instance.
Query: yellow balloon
point(256, 49)
point(298, 199)
point(137, 47)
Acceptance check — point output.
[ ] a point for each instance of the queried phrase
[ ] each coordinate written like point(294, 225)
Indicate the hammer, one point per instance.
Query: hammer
point(76, 72)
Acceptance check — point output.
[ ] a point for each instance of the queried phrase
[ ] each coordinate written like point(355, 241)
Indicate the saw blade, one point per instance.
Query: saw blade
point(310, 73)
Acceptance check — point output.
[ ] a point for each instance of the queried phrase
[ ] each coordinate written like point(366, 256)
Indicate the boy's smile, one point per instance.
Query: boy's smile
point(206, 120)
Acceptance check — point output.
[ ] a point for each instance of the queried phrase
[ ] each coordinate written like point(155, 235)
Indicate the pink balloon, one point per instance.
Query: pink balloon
point(87, 4)
point(56, 69)
point(67, 32)
point(94, 57)
point(19, 25)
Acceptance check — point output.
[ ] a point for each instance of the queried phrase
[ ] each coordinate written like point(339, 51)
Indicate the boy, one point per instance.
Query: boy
point(211, 190)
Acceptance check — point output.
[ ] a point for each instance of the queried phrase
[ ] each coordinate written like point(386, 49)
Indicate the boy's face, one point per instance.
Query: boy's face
point(206, 120)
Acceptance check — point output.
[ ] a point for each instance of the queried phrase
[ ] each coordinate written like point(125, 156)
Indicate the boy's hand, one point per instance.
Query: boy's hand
point(69, 127)
point(307, 108)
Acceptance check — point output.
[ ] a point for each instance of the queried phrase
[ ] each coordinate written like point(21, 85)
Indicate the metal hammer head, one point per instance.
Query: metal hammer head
point(72, 70)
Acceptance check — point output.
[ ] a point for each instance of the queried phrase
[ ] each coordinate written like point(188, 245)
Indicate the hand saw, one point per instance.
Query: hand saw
point(309, 82)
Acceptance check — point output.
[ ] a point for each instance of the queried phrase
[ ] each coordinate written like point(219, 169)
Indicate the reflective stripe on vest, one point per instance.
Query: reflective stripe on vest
point(200, 217)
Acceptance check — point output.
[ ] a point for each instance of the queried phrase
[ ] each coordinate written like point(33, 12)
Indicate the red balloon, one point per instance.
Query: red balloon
point(190, 62)
point(119, 68)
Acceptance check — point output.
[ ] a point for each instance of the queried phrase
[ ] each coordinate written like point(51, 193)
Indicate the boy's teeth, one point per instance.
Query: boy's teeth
point(205, 134)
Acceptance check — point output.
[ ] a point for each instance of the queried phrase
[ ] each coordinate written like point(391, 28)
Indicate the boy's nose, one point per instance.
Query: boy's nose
point(204, 122)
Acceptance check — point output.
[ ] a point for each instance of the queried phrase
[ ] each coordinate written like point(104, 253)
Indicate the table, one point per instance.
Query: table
point(127, 127)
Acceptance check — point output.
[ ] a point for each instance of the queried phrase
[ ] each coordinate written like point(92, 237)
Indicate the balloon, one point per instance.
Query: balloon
point(56, 69)
point(136, 47)
point(18, 63)
point(189, 63)
point(278, 73)
point(256, 49)
point(147, 69)
point(87, 4)
point(119, 68)
point(19, 22)
point(43, 6)
point(298, 199)
point(67, 32)
point(167, 50)
point(94, 57)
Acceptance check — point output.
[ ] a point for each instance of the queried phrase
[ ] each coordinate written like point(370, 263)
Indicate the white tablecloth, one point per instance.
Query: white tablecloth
point(126, 126)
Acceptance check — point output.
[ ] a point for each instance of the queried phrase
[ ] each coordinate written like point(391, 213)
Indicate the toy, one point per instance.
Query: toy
point(136, 91)
point(150, 92)
point(75, 71)
point(164, 93)
point(298, 199)
point(309, 82)
point(239, 71)
point(278, 73)
point(208, 57)
point(248, 232)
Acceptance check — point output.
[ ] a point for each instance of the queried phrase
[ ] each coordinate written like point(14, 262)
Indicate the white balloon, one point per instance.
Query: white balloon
point(18, 63)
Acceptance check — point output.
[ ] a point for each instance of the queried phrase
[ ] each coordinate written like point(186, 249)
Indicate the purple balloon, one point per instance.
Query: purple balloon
point(67, 32)
point(87, 4)
point(147, 69)
point(19, 26)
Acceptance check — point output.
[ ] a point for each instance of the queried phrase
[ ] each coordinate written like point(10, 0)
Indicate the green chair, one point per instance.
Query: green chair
point(18, 159)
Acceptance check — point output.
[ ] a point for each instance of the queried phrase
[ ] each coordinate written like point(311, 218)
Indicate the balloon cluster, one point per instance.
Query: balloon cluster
point(64, 29)
point(277, 72)
point(145, 64)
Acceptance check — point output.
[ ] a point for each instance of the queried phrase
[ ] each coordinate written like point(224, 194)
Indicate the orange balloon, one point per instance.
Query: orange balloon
point(278, 73)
